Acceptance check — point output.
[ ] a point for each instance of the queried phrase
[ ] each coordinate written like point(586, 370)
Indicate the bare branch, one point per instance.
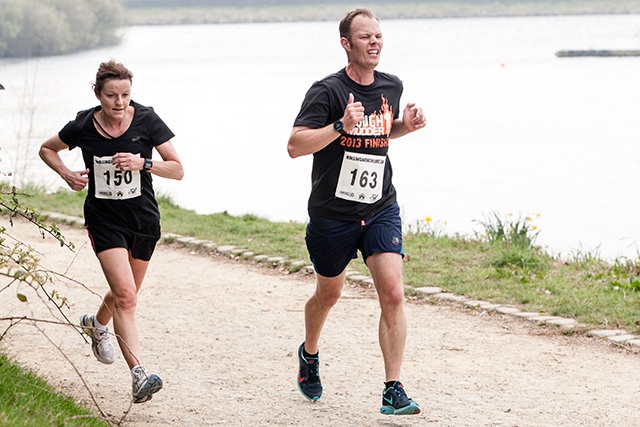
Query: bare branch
point(104, 416)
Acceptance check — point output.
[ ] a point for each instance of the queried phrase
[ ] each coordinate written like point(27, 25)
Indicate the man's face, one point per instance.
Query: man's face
point(364, 47)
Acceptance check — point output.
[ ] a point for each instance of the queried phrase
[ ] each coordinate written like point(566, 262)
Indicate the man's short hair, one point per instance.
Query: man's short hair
point(347, 19)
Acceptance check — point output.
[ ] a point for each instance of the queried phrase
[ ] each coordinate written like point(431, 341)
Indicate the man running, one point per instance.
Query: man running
point(346, 122)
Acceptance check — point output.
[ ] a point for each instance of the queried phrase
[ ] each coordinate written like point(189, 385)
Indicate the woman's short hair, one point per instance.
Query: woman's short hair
point(110, 70)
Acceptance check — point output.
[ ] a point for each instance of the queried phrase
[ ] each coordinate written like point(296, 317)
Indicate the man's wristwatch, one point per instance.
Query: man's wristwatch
point(148, 164)
point(338, 126)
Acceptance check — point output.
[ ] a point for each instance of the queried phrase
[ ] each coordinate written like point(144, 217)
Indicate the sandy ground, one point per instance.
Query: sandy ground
point(223, 335)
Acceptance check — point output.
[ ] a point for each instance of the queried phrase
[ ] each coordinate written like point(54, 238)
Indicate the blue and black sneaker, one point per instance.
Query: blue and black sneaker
point(396, 402)
point(309, 375)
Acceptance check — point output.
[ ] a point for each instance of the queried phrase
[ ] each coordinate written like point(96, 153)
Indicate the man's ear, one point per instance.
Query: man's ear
point(345, 43)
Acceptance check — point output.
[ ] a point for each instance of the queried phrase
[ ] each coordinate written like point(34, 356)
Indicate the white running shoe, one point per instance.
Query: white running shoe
point(144, 385)
point(100, 342)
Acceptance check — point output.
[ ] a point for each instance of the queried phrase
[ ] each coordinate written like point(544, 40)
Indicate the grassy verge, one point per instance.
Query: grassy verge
point(385, 10)
point(28, 401)
point(503, 266)
point(587, 289)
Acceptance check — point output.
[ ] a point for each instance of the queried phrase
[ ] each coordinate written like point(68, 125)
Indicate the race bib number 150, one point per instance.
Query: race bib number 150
point(113, 183)
point(361, 177)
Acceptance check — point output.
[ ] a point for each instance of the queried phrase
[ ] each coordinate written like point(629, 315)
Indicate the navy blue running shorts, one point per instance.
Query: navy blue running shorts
point(141, 244)
point(332, 244)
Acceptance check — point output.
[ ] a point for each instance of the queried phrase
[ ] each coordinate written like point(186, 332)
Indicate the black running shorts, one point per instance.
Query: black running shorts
point(141, 244)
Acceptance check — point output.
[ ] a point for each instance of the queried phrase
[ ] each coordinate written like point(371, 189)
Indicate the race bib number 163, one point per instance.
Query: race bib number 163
point(361, 177)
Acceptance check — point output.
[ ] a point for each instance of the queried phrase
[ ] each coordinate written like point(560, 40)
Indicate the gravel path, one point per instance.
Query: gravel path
point(222, 335)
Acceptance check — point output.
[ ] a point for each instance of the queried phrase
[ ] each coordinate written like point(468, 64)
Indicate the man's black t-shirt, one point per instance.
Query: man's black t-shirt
point(351, 177)
point(118, 198)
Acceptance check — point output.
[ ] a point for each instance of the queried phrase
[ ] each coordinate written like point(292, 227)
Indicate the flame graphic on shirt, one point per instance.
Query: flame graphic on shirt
point(377, 123)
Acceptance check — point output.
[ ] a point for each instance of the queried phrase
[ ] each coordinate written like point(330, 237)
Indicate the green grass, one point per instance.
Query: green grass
point(590, 290)
point(247, 231)
point(28, 401)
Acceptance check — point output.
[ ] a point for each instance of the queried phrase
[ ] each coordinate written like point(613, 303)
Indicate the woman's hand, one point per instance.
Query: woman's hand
point(127, 162)
point(76, 180)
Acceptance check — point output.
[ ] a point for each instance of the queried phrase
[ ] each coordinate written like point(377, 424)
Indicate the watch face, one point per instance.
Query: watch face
point(337, 125)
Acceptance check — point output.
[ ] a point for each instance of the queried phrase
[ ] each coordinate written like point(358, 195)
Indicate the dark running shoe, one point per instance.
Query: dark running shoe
point(309, 376)
point(396, 402)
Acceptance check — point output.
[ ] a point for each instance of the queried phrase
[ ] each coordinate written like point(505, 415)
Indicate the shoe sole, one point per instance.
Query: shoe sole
point(312, 399)
point(410, 409)
point(152, 386)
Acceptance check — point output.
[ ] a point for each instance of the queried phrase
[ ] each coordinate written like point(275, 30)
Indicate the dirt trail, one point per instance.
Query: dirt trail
point(223, 334)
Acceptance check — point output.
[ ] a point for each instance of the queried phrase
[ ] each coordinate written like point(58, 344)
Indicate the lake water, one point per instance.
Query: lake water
point(511, 128)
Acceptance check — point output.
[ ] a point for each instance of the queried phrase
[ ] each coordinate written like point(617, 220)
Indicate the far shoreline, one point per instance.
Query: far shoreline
point(333, 12)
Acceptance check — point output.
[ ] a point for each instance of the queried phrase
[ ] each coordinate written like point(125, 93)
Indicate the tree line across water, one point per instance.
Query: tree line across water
point(54, 27)
point(36, 28)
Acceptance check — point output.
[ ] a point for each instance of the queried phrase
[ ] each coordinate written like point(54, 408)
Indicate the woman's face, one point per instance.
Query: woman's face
point(115, 97)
